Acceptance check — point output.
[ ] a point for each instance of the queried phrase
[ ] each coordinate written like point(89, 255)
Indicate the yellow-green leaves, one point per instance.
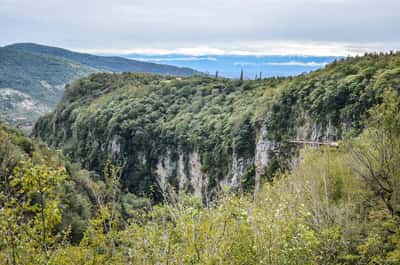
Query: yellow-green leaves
point(30, 211)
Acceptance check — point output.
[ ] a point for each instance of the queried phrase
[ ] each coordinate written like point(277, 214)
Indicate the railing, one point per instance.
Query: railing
point(333, 144)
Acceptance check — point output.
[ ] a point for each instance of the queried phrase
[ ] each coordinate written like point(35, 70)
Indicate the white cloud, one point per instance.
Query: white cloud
point(297, 63)
point(245, 64)
point(288, 63)
point(261, 48)
point(324, 27)
point(173, 59)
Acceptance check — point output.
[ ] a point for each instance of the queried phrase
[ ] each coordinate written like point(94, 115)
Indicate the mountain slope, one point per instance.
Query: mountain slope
point(105, 63)
point(200, 133)
point(32, 77)
point(31, 84)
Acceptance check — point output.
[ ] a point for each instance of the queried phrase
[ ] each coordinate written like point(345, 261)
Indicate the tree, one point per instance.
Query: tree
point(375, 154)
point(30, 212)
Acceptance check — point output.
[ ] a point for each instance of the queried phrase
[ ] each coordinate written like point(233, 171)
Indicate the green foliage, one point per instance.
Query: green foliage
point(30, 212)
point(136, 120)
point(79, 194)
point(338, 96)
point(335, 205)
point(375, 154)
point(147, 116)
point(321, 212)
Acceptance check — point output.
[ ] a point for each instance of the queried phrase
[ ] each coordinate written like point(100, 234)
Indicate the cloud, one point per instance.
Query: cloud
point(260, 48)
point(246, 64)
point(173, 59)
point(297, 63)
point(288, 63)
point(204, 26)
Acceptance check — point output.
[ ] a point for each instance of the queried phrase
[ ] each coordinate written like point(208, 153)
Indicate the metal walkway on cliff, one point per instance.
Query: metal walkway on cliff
point(305, 142)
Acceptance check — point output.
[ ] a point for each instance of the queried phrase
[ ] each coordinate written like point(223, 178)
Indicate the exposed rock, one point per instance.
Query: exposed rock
point(317, 131)
point(187, 174)
point(164, 170)
point(115, 146)
point(182, 176)
point(235, 179)
point(261, 158)
point(142, 158)
point(198, 180)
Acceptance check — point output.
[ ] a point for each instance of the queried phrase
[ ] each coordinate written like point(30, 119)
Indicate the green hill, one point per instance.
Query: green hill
point(200, 133)
point(32, 77)
point(105, 63)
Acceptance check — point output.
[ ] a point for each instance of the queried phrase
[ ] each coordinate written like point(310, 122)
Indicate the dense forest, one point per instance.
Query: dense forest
point(336, 206)
point(147, 169)
point(200, 132)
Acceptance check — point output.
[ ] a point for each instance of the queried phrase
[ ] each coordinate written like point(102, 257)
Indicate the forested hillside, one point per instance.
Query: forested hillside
point(30, 170)
point(105, 63)
point(202, 171)
point(336, 206)
point(199, 134)
point(32, 77)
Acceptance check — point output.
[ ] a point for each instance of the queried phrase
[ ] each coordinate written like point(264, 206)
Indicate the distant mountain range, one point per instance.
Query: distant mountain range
point(32, 77)
point(230, 65)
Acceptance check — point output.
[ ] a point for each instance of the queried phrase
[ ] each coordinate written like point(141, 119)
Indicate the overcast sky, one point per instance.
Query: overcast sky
point(320, 27)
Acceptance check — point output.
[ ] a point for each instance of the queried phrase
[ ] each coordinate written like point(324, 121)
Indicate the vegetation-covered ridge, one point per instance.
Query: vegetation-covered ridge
point(336, 206)
point(198, 134)
point(32, 77)
point(37, 179)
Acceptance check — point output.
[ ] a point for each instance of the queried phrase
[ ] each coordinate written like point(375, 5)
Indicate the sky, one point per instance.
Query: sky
point(246, 27)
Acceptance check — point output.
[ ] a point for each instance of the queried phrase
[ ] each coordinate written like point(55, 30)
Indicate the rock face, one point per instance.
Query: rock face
point(317, 131)
point(183, 177)
point(237, 172)
point(198, 180)
point(115, 146)
point(187, 168)
point(261, 158)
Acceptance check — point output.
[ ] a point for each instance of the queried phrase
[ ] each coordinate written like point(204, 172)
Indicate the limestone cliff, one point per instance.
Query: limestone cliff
point(199, 134)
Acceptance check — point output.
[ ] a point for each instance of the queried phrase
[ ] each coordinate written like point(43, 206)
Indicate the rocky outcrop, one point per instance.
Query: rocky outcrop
point(237, 172)
point(186, 170)
point(317, 132)
point(164, 170)
point(198, 179)
point(182, 174)
point(115, 146)
point(261, 157)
